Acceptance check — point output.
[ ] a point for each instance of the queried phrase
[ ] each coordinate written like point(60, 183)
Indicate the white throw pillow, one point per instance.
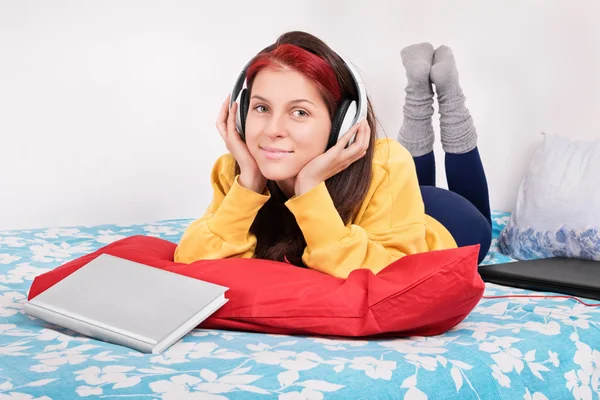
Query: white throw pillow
point(558, 204)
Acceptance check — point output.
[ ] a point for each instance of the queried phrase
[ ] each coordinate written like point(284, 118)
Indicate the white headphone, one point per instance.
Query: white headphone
point(348, 113)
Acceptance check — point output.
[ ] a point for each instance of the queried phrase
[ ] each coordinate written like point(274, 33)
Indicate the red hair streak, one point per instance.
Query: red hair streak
point(308, 64)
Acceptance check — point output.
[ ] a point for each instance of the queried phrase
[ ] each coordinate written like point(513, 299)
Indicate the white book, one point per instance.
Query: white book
point(127, 303)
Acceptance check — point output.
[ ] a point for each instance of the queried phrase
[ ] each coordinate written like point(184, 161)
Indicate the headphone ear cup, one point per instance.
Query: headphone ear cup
point(243, 112)
point(341, 114)
point(347, 122)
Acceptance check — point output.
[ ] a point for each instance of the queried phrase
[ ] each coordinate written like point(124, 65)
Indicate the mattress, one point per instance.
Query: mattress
point(507, 348)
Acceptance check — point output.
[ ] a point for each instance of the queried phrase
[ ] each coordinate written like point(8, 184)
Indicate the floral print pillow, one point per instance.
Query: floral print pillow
point(558, 204)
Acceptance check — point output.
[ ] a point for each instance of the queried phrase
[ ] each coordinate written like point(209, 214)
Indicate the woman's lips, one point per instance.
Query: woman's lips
point(272, 153)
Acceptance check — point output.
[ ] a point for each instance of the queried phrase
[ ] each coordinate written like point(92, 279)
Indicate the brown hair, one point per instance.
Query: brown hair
point(278, 235)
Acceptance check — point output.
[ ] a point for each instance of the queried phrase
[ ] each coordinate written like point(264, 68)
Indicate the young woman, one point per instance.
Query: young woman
point(289, 190)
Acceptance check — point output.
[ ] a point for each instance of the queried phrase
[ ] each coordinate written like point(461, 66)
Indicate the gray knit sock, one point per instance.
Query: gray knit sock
point(416, 132)
point(458, 134)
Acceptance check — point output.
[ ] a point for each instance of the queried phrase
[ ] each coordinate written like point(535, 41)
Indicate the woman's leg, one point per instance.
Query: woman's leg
point(416, 132)
point(464, 210)
point(466, 176)
point(464, 170)
point(466, 224)
point(425, 166)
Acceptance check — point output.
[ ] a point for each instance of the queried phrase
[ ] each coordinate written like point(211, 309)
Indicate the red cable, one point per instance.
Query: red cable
point(523, 295)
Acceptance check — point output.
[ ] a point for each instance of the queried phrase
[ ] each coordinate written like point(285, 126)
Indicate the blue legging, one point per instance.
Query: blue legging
point(464, 209)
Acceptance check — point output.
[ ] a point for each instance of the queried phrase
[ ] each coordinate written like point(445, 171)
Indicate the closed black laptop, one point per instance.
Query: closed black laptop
point(570, 276)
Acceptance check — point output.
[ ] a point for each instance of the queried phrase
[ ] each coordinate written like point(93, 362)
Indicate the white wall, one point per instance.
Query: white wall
point(107, 109)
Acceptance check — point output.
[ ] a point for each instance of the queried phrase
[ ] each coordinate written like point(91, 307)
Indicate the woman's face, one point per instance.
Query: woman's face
point(288, 123)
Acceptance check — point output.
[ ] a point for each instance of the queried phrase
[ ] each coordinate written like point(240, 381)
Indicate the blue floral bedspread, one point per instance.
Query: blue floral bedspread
point(508, 348)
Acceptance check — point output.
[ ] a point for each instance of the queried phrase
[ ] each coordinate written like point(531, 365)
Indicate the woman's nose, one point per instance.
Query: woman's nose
point(276, 126)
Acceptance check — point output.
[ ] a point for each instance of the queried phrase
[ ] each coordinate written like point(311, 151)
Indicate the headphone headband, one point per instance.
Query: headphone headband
point(360, 89)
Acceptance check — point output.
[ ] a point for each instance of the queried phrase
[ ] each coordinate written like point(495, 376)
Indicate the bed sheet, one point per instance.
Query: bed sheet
point(507, 348)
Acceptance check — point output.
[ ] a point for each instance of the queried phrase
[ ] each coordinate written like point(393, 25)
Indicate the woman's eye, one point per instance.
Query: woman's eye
point(260, 109)
point(302, 113)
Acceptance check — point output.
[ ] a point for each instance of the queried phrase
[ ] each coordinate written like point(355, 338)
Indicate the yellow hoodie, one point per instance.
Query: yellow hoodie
point(390, 224)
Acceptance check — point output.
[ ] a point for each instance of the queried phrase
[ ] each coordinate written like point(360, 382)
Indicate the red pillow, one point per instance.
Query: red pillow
point(422, 294)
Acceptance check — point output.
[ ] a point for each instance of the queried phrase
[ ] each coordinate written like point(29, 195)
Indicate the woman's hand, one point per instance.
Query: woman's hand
point(250, 176)
point(334, 160)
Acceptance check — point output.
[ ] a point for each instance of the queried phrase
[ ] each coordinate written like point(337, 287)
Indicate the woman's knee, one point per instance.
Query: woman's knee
point(463, 220)
point(485, 241)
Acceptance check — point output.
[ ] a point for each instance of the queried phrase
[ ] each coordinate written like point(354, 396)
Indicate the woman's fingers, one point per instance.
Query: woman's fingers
point(358, 149)
point(231, 128)
point(346, 137)
point(222, 118)
point(366, 136)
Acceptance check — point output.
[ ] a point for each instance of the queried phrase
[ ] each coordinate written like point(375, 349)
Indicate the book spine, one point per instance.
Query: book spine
point(85, 328)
